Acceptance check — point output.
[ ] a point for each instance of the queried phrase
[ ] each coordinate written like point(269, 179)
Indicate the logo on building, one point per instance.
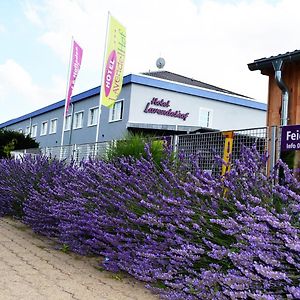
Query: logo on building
point(162, 107)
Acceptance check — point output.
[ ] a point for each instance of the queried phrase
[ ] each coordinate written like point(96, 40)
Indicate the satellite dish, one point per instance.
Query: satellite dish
point(160, 63)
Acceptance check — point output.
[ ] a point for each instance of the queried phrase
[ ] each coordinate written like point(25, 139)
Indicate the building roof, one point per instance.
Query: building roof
point(189, 81)
point(266, 62)
point(53, 106)
point(194, 91)
point(157, 82)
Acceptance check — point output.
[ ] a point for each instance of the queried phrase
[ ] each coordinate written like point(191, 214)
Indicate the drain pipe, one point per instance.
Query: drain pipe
point(277, 65)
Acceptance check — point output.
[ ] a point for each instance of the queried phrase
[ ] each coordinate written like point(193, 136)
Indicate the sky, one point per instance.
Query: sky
point(208, 40)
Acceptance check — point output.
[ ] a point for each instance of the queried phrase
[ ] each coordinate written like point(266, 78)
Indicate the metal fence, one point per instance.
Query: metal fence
point(17, 154)
point(206, 145)
point(209, 145)
point(78, 152)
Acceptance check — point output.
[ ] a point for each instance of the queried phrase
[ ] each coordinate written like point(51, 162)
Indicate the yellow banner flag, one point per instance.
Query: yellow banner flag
point(114, 62)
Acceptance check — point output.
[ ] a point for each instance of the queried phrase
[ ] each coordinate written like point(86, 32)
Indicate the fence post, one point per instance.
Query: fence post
point(273, 144)
point(227, 151)
point(73, 156)
point(61, 154)
point(175, 144)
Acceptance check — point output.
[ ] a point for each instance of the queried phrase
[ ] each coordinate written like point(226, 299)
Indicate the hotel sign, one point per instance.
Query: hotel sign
point(162, 107)
point(290, 138)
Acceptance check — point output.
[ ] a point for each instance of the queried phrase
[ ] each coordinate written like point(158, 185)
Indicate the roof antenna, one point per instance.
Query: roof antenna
point(160, 63)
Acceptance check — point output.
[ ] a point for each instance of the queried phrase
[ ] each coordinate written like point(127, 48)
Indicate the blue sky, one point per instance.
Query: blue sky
point(209, 40)
point(19, 41)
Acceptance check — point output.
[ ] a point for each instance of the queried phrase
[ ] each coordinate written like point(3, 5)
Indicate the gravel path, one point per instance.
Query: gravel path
point(31, 269)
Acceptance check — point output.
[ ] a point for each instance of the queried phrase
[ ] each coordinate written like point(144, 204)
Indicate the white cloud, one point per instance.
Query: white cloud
point(19, 94)
point(208, 40)
point(31, 12)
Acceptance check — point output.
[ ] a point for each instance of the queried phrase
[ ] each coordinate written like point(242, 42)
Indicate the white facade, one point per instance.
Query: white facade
point(193, 111)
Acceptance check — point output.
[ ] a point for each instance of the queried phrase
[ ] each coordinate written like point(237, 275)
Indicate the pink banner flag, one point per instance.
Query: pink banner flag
point(74, 69)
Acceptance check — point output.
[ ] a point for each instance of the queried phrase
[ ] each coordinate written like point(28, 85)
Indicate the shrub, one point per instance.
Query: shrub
point(134, 145)
point(54, 183)
point(18, 178)
point(188, 234)
point(198, 237)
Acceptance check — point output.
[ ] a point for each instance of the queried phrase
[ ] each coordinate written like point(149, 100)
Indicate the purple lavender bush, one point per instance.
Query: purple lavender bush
point(54, 187)
point(188, 234)
point(10, 195)
point(17, 180)
point(172, 230)
point(192, 236)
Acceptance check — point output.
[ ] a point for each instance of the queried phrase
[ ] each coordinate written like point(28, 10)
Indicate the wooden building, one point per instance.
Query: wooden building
point(283, 109)
point(287, 66)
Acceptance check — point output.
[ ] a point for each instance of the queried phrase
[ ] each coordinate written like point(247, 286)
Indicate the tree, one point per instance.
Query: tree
point(12, 140)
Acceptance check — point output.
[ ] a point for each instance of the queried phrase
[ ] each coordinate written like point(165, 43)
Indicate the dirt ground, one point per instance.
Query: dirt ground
point(32, 269)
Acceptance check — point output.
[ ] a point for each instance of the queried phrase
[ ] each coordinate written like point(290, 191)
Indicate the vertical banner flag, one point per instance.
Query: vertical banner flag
point(74, 69)
point(113, 67)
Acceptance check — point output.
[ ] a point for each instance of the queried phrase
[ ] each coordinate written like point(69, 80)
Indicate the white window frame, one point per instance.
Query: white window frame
point(42, 128)
point(20, 130)
point(69, 124)
point(50, 127)
point(34, 128)
point(209, 119)
point(89, 123)
point(112, 112)
point(74, 121)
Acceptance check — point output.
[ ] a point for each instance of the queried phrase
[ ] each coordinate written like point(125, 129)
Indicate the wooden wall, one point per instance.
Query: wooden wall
point(291, 76)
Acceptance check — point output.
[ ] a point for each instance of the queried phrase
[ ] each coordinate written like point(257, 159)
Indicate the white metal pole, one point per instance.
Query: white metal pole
point(68, 83)
point(71, 123)
point(30, 127)
point(103, 71)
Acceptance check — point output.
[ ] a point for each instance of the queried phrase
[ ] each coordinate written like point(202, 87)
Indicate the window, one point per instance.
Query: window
point(116, 113)
point(33, 130)
point(21, 130)
point(27, 130)
point(205, 117)
point(68, 122)
point(78, 118)
point(44, 128)
point(93, 116)
point(53, 126)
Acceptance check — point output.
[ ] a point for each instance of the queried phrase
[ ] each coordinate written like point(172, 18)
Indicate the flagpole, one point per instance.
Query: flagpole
point(71, 123)
point(67, 87)
point(103, 71)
